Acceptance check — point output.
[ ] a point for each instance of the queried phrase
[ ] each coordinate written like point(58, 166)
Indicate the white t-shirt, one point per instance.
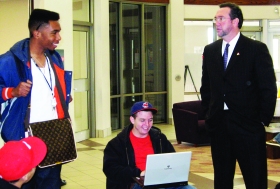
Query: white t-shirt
point(42, 94)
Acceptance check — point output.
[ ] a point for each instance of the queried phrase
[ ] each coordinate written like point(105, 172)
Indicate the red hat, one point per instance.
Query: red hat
point(17, 158)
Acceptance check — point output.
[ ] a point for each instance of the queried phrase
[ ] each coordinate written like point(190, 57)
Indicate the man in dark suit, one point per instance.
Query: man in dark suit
point(239, 95)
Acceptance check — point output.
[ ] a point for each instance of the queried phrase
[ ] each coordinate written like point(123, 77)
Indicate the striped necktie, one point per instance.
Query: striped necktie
point(225, 56)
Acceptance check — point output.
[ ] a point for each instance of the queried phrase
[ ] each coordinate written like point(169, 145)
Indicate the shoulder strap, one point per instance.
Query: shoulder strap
point(60, 92)
point(62, 100)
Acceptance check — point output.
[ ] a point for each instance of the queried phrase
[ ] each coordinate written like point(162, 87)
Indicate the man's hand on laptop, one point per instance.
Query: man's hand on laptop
point(142, 173)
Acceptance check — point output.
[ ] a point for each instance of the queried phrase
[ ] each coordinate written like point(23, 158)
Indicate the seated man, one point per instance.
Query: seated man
point(125, 155)
point(18, 160)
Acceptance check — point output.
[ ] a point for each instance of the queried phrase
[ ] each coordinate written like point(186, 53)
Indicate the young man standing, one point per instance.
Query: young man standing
point(27, 77)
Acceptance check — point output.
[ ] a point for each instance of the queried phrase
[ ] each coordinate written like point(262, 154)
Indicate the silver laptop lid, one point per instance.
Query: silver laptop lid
point(167, 168)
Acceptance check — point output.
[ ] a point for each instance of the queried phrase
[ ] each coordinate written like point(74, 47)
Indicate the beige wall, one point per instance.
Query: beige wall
point(13, 21)
point(102, 68)
point(175, 53)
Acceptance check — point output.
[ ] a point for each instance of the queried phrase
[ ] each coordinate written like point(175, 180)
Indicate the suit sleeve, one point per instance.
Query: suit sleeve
point(267, 83)
point(205, 84)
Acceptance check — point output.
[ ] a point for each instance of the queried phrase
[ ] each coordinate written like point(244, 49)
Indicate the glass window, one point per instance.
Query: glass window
point(137, 59)
point(155, 52)
point(251, 23)
point(114, 50)
point(115, 113)
point(131, 48)
point(156, 100)
point(274, 24)
point(274, 44)
point(275, 51)
point(114, 65)
point(128, 103)
point(252, 29)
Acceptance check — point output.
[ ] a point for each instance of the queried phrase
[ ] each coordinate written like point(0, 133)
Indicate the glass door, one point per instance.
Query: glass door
point(81, 82)
point(137, 60)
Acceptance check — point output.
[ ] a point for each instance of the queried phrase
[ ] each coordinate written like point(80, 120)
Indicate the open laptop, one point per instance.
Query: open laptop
point(166, 170)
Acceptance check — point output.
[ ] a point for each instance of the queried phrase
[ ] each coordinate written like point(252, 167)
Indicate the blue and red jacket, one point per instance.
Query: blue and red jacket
point(14, 108)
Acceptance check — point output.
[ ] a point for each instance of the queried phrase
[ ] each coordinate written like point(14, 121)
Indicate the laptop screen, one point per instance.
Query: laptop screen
point(167, 168)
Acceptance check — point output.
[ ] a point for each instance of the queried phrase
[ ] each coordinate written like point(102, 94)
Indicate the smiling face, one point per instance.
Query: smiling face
point(142, 123)
point(226, 28)
point(49, 35)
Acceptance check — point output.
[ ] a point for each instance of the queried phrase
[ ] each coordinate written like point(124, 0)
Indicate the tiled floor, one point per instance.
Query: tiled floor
point(86, 171)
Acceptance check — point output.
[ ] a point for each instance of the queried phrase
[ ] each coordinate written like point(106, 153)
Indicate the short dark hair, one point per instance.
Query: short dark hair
point(40, 17)
point(235, 12)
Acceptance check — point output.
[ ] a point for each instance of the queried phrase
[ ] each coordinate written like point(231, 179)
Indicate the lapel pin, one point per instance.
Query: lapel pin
point(238, 54)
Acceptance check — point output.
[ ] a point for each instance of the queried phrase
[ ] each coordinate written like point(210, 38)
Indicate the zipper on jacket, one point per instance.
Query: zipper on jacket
point(127, 156)
point(127, 186)
point(160, 144)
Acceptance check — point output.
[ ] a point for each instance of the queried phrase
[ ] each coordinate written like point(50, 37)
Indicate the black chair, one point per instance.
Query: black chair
point(189, 123)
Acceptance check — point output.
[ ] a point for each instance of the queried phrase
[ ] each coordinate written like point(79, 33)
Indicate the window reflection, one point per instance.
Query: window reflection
point(114, 50)
point(115, 116)
point(128, 103)
point(114, 65)
point(131, 48)
point(155, 100)
point(155, 69)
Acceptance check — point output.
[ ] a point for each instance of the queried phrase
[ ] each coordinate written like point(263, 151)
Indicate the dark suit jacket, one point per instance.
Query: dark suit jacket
point(248, 86)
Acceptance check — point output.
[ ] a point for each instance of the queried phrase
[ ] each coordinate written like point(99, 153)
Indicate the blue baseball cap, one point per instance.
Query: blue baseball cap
point(142, 106)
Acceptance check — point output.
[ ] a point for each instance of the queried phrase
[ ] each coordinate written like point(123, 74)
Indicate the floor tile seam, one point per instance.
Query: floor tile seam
point(101, 180)
point(91, 184)
point(80, 179)
point(94, 172)
point(77, 172)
